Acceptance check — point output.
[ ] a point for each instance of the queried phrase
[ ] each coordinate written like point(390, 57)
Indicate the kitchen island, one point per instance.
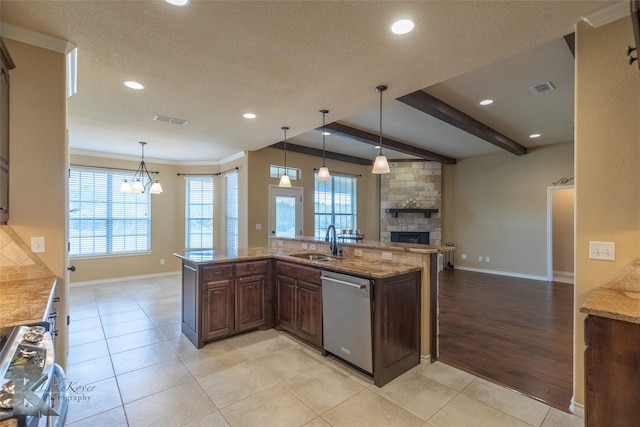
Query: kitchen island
point(226, 293)
point(612, 356)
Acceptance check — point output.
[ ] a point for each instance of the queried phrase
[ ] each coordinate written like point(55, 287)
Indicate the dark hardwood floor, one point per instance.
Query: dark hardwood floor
point(511, 331)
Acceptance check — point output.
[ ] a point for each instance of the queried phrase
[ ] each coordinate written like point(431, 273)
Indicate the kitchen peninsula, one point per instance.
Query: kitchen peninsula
point(226, 293)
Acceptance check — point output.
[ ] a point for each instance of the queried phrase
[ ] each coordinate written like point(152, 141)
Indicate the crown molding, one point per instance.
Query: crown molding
point(608, 14)
point(44, 41)
point(101, 154)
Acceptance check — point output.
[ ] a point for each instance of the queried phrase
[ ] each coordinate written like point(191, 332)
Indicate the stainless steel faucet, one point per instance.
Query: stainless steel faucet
point(333, 243)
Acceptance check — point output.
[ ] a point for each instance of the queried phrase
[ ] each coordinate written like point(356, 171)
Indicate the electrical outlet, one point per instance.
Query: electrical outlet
point(305, 246)
point(357, 252)
point(37, 245)
point(388, 256)
point(463, 256)
point(162, 261)
point(280, 243)
point(312, 247)
point(258, 226)
point(487, 259)
point(479, 259)
point(605, 251)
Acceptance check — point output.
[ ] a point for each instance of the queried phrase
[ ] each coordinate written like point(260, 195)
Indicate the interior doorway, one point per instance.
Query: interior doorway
point(560, 233)
point(285, 211)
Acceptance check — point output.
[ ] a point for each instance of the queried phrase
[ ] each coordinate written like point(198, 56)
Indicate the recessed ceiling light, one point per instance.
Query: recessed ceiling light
point(377, 147)
point(486, 102)
point(534, 135)
point(133, 85)
point(249, 116)
point(325, 133)
point(178, 2)
point(402, 26)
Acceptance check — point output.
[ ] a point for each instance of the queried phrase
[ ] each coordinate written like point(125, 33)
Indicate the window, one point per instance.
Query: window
point(335, 203)
point(276, 171)
point(231, 187)
point(199, 213)
point(102, 219)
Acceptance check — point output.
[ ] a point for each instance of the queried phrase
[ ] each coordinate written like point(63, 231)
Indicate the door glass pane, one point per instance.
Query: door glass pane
point(285, 216)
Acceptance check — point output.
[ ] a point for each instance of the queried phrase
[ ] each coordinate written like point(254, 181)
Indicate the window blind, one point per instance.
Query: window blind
point(335, 202)
point(231, 183)
point(199, 213)
point(102, 219)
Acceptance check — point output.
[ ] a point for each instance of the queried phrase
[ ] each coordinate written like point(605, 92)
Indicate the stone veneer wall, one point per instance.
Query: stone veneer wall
point(420, 181)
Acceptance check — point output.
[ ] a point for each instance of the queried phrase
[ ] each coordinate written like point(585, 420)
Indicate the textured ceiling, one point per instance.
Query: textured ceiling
point(211, 61)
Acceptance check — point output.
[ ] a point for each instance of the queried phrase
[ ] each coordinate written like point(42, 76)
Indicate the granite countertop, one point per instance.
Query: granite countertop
point(362, 267)
point(618, 299)
point(25, 301)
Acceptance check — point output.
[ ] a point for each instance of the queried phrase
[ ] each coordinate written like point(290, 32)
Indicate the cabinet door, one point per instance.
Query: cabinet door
point(250, 302)
point(309, 310)
point(218, 309)
point(285, 312)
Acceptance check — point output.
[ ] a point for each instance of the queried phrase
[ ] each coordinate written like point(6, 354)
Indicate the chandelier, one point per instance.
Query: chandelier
point(142, 174)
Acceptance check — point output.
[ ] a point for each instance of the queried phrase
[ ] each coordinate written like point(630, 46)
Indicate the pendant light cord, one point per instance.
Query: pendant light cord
point(324, 113)
point(381, 89)
point(284, 128)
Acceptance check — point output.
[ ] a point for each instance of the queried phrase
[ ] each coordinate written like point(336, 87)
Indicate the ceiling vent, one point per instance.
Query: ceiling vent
point(171, 120)
point(542, 88)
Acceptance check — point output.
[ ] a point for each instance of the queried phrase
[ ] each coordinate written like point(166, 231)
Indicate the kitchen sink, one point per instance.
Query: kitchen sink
point(314, 257)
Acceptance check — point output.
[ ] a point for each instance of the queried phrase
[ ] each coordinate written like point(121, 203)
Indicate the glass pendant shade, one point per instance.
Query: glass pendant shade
point(284, 178)
point(284, 181)
point(380, 165)
point(125, 187)
point(137, 187)
point(156, 188)
point(323, 174)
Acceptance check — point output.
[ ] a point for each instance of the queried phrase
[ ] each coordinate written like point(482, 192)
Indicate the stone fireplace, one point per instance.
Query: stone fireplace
point(417, 181)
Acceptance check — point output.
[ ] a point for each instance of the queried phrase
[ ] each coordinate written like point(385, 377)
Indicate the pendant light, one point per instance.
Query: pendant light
point(284, 179)
point(323, 173)
point(380, 164)
point(138, 178)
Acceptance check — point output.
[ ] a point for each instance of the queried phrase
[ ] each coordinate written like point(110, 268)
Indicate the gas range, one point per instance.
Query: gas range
point(32, 386)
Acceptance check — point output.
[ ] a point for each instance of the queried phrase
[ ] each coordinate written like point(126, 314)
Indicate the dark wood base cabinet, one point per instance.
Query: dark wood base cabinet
point(612, 373)
point(299, 302)
point(221, 300)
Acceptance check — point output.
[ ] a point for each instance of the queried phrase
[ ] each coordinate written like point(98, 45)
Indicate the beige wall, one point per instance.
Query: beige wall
point(607, 163)
point(38, 163)
point(496, 206)
point(259, 180)
point(562, 217)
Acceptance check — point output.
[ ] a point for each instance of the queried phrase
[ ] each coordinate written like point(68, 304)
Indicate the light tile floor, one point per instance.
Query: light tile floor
point(129, 364)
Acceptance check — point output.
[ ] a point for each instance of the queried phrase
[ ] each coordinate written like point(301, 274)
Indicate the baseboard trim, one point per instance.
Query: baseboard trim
point(577, 408)
point(120, 279)
point(502, 273)
point(425, 359)
point(563, 276)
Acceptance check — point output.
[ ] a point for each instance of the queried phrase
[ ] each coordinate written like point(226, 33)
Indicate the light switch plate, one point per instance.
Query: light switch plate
point(37, 245)
point(357, 252)
point(605, 251)
point(388, 256)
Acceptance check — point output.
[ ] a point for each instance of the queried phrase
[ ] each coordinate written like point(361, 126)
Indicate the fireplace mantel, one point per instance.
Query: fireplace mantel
point(395, 211)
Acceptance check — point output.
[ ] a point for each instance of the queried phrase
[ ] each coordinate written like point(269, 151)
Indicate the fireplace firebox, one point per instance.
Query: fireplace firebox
point(415, 237)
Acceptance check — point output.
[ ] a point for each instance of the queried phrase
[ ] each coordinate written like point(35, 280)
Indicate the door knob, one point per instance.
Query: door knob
point(72, 268)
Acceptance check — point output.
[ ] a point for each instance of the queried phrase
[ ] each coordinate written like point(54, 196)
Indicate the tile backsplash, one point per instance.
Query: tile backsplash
point(17, 262)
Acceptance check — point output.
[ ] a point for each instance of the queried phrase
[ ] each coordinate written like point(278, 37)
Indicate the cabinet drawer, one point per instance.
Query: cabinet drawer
point(216, 271)
point(299, 272)
point(251, 268)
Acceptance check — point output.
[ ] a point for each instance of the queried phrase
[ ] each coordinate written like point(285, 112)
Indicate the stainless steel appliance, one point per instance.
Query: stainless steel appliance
point(346, 318)
point(33, 389)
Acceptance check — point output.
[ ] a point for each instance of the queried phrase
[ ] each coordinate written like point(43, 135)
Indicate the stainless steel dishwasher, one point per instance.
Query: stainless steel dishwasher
point(346, 318)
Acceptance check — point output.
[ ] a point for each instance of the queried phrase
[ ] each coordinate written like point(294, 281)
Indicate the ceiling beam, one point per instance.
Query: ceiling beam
point(422, 101)
point(570, 39)
point(318, 153)
point(371, 139)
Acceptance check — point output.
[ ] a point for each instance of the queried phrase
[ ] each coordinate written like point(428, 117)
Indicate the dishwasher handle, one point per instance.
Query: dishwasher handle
point(342, 282)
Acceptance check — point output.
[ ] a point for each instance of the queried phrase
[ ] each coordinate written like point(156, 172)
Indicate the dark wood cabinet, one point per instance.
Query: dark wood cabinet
point(299, 301)
point(218, 314)
point(220, 300)
point(6, 64)
point(612, 361)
